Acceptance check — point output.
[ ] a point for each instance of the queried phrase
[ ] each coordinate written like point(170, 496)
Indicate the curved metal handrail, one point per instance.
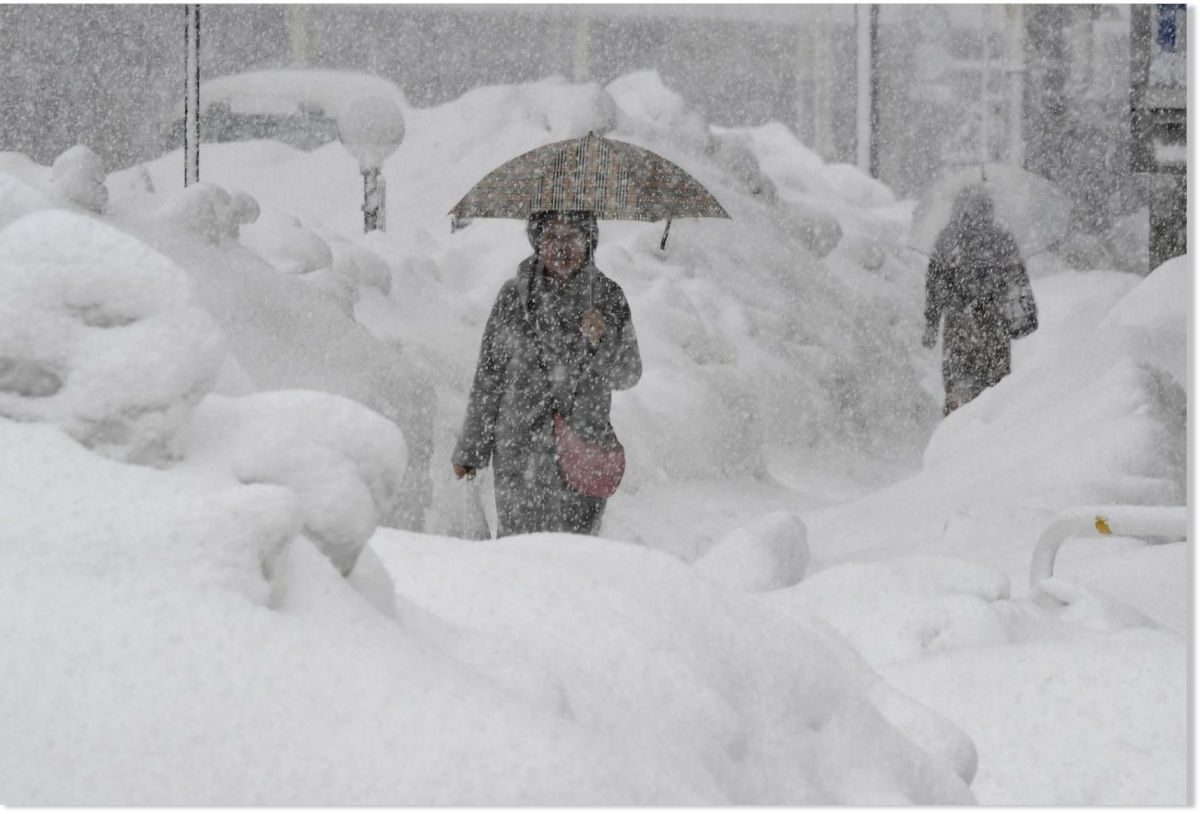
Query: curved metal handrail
point(1099, 521)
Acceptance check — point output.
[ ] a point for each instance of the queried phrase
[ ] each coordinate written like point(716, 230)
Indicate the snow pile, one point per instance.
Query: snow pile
point(1081, 702)
point(77, 180)
point(769, 554)
point(78, 176)
point(712, 686)
point(295, 92)
point(1104, 408)
point(100, 336)
point(227, 666)
point(1092, 414)
point(283, 331)
point(900, 609)
point(141, 665)
point(213, 213)
point(18, 198)
point(343, 462)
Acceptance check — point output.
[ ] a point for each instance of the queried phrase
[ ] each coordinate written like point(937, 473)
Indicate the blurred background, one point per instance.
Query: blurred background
point(1090, 96)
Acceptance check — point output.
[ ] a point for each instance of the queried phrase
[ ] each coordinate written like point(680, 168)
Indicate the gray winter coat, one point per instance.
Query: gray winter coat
point(974, 265)
point(533, 361)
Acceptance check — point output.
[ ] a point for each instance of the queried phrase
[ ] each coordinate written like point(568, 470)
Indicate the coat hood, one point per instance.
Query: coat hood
point(581, 218)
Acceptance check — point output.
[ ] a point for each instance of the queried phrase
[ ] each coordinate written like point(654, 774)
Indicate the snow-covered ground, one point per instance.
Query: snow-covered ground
point(232, 565)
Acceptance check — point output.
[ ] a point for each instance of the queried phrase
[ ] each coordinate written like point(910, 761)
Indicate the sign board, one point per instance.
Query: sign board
point(1158, 118)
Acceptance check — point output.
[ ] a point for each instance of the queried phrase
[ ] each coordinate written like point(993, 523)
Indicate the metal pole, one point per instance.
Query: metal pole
point(191, 95)
point(372, 200)
point(1015, 28)
point(579, 63)
point(299, 32)
point(862, 28)
point(985, 104)
point(873, 163)
point(803, 120)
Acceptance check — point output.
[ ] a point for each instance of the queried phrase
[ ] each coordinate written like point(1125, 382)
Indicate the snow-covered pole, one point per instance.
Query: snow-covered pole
point(374, 200)
point(191, 94)
point(371, 128)
point(1099, 521)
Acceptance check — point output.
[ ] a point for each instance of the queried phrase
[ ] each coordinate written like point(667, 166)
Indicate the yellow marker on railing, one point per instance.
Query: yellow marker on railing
point(1170, 522)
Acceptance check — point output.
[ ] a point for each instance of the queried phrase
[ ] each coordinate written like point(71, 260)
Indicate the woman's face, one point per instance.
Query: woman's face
point(564, 248)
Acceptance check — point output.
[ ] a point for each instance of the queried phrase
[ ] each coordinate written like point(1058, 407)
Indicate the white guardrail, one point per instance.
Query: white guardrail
point(1101, 521)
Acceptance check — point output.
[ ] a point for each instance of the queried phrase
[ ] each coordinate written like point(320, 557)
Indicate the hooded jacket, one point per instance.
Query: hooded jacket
point(534, 360)
point(974, 263)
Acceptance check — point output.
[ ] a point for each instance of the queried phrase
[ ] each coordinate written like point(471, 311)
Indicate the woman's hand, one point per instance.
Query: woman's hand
point(461, 472)
point(593, 326)
point(929, 338)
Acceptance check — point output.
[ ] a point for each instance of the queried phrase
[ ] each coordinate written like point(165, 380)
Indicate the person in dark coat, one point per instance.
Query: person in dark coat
point(559, 338)
point(973, 269)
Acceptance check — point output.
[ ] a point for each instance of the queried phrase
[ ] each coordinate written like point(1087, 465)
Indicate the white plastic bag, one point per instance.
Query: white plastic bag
point(463, 515)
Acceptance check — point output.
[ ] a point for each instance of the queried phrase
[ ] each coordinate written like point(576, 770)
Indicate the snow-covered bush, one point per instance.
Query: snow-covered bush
point(343, 462)
point(284, 242)
point(650, 111)
point(210, 211)
point(77, 176)
point(553, 106)
point(818, 230)
point(728, 692)
point(902, 608)
point(285, 335)
point(19, 198)
point(767, 555)
point(99, 335)
point(735, 155)
point(360, 265)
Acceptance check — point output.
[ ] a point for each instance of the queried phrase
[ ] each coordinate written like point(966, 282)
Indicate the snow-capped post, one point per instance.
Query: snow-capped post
point(191, 94)
point(371, 128)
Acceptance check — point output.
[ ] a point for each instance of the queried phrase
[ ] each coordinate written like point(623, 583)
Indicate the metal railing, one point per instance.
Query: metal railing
point(1102, 521)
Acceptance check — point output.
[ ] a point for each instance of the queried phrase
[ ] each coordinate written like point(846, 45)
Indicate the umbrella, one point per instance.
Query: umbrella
point(613, 179)
point(1032, 209)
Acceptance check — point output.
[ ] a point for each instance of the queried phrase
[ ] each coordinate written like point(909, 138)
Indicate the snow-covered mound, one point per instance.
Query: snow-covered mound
point(100, 335)
point(171, 640)
point(294, 92)
point(1095, 412)
point(284, 332)
point(1025, 684)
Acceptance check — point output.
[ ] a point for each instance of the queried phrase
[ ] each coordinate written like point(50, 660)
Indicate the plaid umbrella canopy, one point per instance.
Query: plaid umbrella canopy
point(613, 179)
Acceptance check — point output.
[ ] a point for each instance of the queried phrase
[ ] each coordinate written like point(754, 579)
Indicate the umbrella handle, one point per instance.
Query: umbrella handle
point(663, 245)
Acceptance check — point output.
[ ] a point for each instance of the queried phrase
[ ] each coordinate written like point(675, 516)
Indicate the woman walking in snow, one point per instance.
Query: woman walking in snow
point(559, 339)
point(973, 273)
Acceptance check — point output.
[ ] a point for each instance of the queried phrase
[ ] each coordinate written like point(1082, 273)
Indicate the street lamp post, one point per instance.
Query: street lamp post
point(371, 128)
point(191, 94)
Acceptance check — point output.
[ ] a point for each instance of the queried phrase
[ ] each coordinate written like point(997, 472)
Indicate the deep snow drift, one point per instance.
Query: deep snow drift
point(191, 467)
